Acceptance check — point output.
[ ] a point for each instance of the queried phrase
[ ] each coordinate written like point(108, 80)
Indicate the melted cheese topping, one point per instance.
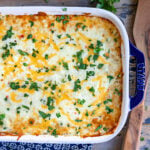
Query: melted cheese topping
point(59, 75)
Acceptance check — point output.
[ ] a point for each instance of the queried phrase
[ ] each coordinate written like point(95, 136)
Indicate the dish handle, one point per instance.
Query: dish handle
point(140, 76)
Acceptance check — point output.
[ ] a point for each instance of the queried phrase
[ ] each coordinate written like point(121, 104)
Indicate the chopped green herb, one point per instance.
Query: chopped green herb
point(91, 46)
point(58, 115)
point(14, 85)
point(106, 4)
point(29, 36)
point(77, 109)
point(77, 85)
point(98, 105)
point(34, 40)
point(26, 95)
point(100, 66)
point(46, 56)
point(54, 133)
point(89, 57)
point(81, 101)
point(64, 9)
point(25, 64)
point(92, 65)
point(87, 114)
point(34, 86)
point(34, 54)
point(108, 109)
point(69, 77)
point(105, 56)
point(89, 73)
point(98, 128)
point(141, 138)
point(65, 21)
point(92, 90)
point(68, 35)
point(105, 129)
point(23, 53)
point(59, 36)
point(52, 24)
point(117, 92)
point(8, 34)
point(110, 78)
point(11, 44)
point(26, 107)
point(44, 115)
point(65, 65)
point(31, 23)
point(5, 54)
point(95, 57)
point(53, 87)
point(88, 125)
point(115, 39)
point(78, 120)
point(107, 101)
point(2, 116)
point(18, 110)
point(6, 98)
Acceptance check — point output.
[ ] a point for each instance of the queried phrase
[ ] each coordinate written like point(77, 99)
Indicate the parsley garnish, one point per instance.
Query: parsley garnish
point(81, 101)
point(65, 65)
point(92, 90)
point(31, 23)
point(95, 57)
point(25, 64)
point(8, 34)
point(34, 86)
point(87, 114)
point(29, 36)
point(50, 103)
point(54, 133)
point(98, 105)
point(77, 85)
point(58, 115)
point(34, 40)
point(64, 9)
point(110, 78)
point(69, 78)
point(88, 125)
point(89, 73)
point(100, 66)
point(77, 109)
point(98, 128)
point(107, 101)
point(78, 120)
point(46, 56)
point(117, 92)
point(106, 4)
point(59, 36)
point(6, 54)
point(14, 85)
point(108, 109)
point(2, 116)
point(26, 95)
point(26, 107)
point(44, 115)
point(23, 53)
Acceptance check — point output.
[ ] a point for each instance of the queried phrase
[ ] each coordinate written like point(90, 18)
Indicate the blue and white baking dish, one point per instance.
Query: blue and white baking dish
point(128, 103)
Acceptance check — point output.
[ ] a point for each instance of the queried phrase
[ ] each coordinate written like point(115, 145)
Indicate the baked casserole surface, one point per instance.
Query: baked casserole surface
point(59, 75)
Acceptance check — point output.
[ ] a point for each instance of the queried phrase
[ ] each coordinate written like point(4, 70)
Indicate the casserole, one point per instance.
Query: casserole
point(125, 58)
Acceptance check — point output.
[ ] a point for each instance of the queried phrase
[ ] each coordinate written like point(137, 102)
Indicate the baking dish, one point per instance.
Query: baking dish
point(127, 103)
